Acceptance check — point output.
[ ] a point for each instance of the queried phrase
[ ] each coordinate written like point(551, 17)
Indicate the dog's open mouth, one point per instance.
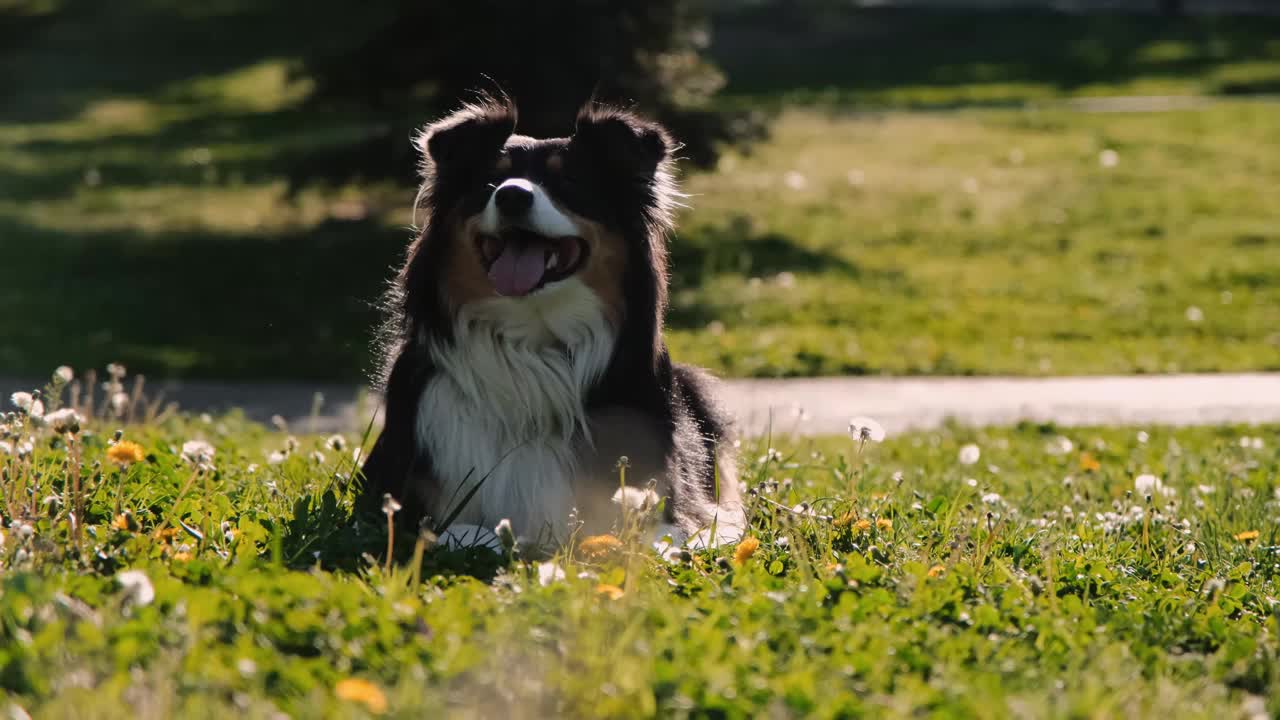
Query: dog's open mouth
point(520, 261)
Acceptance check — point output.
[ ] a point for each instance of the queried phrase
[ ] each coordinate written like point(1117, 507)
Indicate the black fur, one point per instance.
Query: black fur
point(616, 172)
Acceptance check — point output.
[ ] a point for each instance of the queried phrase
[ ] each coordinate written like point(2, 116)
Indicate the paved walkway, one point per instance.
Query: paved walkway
point(824, 405)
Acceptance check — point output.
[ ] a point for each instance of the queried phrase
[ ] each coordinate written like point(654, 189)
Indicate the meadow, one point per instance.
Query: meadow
point(203, 566)
point(969, 208)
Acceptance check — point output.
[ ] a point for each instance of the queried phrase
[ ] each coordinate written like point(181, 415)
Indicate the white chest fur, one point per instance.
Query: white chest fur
point(506, 405)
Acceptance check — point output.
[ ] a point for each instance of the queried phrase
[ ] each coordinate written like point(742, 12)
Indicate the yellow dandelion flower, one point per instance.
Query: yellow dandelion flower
point(1247, 535)
point(121, 522)
point(884, 524)
point(862, 525)
point(363, 692)
point(613, 592)
point(166, 534)
point(745, 550)
point(599, 547)
point(845, 520)
point(126, 453)
point(183, 556)
point(936, 571)
point(1089, 463)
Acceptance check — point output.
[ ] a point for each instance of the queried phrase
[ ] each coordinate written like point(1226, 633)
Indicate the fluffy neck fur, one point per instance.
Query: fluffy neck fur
point(507, 402)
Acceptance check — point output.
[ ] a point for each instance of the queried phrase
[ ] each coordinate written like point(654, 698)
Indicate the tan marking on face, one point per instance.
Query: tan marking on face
point(504, 164)
point(465, 279)
point(606, 263)
point(555, 163)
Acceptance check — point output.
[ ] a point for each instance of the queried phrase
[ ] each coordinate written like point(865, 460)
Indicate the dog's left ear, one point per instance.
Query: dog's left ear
point(625, 142)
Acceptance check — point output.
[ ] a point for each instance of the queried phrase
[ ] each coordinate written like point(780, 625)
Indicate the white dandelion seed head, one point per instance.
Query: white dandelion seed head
point(290, 444)
point(137, 587)
point(795, 181)
point(1108, 158)
point(969, 454)
point(863, 428)
point(64, 374)
point(116, 370)
point(1143, 437)
point(6, 447)
point(336, 443)
point(65, 420)
point(390, 505)
point(119, 401)
point(992, 499)
point(971, 482)
point(197, 452)
point(275, 457)
point(1150, 485)
point(635, 499)
point(549, 572)
point(253, 468)
point(1194, 314)
point(317, 457)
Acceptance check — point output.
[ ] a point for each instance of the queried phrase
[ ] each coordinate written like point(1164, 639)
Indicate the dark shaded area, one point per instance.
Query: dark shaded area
point(736, 248)
point(300, 306)
point(769, 52)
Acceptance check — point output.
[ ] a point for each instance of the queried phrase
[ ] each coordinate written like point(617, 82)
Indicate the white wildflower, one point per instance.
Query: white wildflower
point(1143, 437)
point(971, 482)
point(505, 534)
point(549, 572)
point(22, 400)
point(1059, 446)
point(253, 468)
point(1205, 489)
point(317, 457)
point(276, 457)
point(969, 454)
point(6, 448)
point(1108, 158)
point(137, 587)
point(992, 498)
point(64, 374)
point(336, 443)
point(864, 428)
point(1195, 315)
point(119, 401)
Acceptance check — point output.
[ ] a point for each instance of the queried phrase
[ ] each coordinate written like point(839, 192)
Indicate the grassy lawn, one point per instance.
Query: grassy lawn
point(177, 216)
point(1038, 581)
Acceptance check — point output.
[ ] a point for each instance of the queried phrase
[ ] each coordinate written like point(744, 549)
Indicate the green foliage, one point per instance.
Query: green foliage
point(890, 581)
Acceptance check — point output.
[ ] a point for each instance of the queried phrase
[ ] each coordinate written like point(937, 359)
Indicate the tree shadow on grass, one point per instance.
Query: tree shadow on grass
point(300, 306)
point(735, 248)
point(862, 50)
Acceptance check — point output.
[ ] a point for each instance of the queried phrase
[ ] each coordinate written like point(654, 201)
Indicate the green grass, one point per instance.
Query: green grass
point(181, 216)
point(1033, 583)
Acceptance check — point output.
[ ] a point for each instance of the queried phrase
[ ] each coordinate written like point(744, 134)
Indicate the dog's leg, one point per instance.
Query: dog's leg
point(396, 462)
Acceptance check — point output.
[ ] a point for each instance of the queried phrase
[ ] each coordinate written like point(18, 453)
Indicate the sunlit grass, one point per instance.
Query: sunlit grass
point(1002, 572)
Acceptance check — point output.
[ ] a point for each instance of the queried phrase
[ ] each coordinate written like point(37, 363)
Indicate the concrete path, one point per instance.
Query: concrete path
point(821, 406)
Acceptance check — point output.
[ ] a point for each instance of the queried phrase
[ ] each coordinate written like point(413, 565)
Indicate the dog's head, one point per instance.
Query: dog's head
point(515, 224)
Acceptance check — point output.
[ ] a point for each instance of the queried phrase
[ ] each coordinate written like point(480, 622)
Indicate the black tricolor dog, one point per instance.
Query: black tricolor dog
point(526, 350)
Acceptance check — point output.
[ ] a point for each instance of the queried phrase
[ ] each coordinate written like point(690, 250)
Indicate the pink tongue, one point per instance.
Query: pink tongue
point(518, 269)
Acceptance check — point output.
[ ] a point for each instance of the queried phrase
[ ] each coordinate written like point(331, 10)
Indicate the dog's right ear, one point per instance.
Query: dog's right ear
point(469, 138)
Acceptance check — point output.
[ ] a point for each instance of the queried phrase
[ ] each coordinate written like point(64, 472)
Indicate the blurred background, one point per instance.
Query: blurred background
point(220, 189)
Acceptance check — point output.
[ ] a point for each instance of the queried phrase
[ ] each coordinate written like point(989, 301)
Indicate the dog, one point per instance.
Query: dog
point(526, 374)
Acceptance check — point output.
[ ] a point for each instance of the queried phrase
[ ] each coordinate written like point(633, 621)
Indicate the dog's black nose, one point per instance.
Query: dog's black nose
point(513, 199)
